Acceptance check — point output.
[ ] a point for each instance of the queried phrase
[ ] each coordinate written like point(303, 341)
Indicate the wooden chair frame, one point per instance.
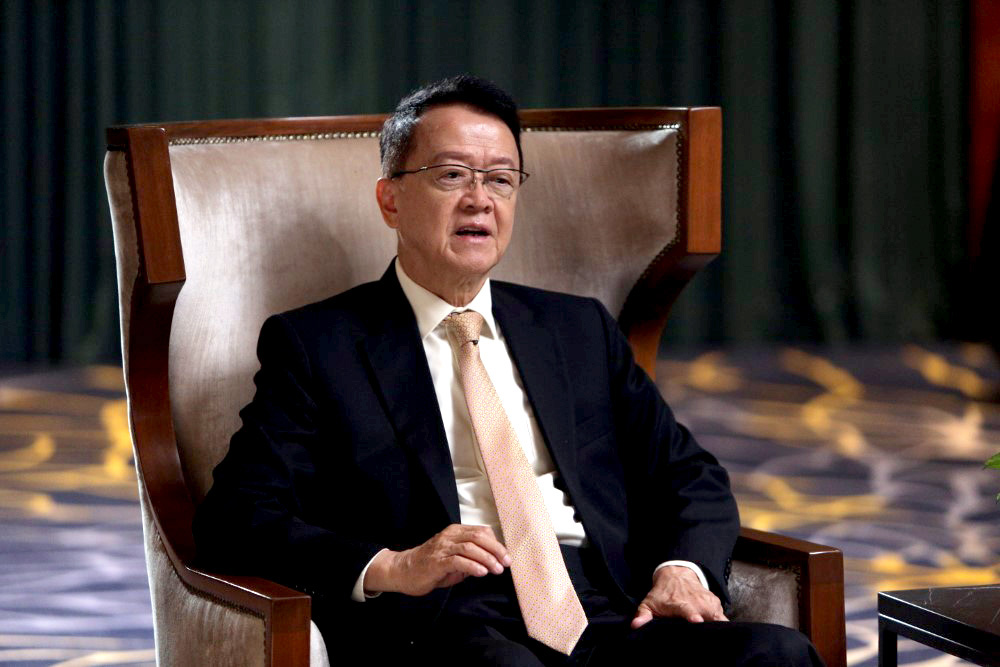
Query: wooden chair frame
point(161, 276)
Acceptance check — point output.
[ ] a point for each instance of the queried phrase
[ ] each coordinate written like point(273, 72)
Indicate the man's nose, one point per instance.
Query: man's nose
point(477, 193)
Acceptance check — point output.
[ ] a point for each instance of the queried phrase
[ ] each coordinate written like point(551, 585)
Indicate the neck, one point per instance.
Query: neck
point(458, 293)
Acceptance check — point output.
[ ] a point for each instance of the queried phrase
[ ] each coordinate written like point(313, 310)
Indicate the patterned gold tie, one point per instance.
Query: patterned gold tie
point(549, 605)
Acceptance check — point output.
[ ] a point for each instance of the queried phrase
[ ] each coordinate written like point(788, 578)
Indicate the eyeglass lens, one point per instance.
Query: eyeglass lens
point(503, 182)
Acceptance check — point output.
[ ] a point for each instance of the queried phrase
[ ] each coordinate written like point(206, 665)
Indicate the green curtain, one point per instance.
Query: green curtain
point(844, 135)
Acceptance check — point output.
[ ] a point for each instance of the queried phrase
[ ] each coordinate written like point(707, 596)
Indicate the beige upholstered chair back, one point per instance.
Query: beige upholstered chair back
point(265, 226)
point(270, 223)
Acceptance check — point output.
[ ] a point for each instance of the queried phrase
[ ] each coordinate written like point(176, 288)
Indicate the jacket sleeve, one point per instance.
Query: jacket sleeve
point(256, 519)
point(680, 503)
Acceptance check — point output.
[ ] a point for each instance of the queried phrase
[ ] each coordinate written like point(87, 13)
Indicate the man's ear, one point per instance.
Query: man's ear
point(385, 194)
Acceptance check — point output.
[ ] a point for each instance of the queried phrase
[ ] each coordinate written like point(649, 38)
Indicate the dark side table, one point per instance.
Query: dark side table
point(963, 621)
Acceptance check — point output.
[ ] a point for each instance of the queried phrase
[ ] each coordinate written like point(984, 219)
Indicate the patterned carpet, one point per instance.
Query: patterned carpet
point(73, 586)
point(877, 452)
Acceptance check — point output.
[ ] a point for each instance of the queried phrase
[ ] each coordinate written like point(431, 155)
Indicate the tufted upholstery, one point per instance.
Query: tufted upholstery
point(272, 216)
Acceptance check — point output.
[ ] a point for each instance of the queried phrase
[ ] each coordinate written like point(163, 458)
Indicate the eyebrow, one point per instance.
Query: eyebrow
point(464, 157)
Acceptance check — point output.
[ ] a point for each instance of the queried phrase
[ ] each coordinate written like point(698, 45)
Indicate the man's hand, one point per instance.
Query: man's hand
point(677, 592)
point(455, 553)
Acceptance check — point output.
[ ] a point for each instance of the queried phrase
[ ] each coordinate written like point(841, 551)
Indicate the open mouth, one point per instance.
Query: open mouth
point(471, 231)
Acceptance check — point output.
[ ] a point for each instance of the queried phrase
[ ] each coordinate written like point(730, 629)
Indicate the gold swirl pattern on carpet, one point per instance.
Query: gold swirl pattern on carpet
point(877, 452)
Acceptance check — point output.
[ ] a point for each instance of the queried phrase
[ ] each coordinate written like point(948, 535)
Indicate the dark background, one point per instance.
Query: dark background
point(845, 136)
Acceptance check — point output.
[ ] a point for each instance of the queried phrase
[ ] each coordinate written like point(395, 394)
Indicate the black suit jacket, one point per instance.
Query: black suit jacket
point(343, 452)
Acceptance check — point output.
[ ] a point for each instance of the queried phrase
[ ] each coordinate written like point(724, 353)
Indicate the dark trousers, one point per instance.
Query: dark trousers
point(481, 625)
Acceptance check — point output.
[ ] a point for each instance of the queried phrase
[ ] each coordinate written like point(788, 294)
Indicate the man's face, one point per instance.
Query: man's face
point(448, 241)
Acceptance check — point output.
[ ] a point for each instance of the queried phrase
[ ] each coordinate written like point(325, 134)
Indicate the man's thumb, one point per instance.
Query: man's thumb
point(643, 615)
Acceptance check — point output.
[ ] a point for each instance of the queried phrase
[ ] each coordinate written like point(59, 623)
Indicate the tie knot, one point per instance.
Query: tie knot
point(465, 326)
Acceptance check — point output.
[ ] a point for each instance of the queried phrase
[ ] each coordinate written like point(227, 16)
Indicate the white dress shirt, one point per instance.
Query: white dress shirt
point(475, 500)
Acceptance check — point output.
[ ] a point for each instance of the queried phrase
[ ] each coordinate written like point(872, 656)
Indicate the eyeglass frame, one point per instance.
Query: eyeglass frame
point(522, 175)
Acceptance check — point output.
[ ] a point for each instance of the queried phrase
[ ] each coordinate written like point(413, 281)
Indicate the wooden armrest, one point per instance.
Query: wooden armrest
point(286, 612)
point(821, 589)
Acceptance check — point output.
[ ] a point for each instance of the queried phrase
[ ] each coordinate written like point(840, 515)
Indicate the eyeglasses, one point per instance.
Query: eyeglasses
point(448, 177)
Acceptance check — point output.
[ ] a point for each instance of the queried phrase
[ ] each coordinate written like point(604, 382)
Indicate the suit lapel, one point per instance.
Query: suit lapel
point(399, 364)
point(538, 357)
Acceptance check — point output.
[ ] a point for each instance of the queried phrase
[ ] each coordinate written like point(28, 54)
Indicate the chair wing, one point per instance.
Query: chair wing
point(219, 224)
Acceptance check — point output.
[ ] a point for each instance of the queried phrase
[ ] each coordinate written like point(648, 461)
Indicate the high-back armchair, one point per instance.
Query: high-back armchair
point(219, 224)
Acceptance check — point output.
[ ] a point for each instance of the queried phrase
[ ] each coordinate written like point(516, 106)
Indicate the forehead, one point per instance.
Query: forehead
point(463, 129)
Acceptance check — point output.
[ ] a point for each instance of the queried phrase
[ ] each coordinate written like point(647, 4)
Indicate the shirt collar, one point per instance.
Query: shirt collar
point(430, 309)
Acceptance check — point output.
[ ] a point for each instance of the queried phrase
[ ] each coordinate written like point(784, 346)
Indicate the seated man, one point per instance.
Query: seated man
point(469, 471)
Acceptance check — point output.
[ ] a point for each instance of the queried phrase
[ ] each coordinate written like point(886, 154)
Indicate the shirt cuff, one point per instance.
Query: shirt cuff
point(358, 594)
point(680, 563)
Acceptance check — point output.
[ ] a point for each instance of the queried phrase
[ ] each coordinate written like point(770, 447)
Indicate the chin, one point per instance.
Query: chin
point(475, 267)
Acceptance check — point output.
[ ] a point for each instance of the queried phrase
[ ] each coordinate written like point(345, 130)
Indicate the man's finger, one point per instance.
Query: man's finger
point(458, 564)
point(483, 536)
point(449, 580)
point(718, 616)
point(643, 615)
point(478, 554)
point(688, 611)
